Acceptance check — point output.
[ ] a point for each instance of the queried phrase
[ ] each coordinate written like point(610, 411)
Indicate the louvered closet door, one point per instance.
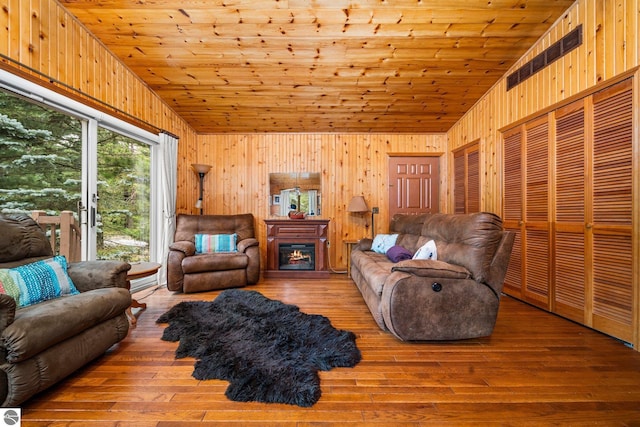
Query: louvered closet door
point(466, 186)
point(569, 237)
point(526, 211)
point(473, 180)
point(512, 209)
point(611, 222)
point(459, 188)
point(568, 194)
point(535, 241)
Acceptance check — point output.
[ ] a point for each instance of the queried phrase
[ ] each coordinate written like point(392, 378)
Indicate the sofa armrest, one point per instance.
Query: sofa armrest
point(7, 311)
point(186, 247)
point(88, 275)
point(500, 262)
point(418, 308)
point(253, 268)
point(363, 245)
point(432, 268)
point(244, 244)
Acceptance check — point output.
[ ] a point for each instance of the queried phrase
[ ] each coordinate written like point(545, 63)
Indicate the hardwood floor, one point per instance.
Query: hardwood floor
point(536, 369)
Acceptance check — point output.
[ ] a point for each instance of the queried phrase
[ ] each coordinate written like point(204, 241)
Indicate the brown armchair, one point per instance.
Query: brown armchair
point(43, 342)
point(189, 271)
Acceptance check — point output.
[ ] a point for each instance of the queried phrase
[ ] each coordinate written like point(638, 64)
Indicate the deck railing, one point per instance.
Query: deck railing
point(63, 231)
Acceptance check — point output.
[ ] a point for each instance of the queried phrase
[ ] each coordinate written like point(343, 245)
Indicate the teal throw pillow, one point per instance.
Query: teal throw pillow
point(208, 243)
point(37, 282)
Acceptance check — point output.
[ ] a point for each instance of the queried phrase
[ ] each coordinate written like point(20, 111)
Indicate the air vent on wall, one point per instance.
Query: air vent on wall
point(549, 55)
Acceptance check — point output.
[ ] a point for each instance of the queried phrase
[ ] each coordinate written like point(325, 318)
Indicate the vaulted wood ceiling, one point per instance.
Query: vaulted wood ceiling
point(241, 66)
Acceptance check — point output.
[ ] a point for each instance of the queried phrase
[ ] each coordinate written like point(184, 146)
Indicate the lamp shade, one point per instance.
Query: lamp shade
point(357, 204)
point(199, 168)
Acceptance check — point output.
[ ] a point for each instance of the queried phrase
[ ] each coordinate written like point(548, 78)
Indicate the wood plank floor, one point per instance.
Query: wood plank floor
point(536, 369)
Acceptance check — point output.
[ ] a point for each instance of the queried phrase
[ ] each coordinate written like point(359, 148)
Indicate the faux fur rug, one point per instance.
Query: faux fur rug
point(267, 350)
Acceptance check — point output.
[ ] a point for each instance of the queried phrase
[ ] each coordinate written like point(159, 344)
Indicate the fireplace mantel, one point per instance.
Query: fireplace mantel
point(297, 232)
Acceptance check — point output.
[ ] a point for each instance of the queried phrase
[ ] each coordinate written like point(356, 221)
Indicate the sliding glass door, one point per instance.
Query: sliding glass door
point(124, 197)
point(54, 161)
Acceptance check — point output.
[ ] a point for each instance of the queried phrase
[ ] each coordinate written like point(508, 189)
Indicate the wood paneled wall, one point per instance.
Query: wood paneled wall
point(350, 164)
point(39, 38)
point(40, 35)
point(610, 49)
point(41, 41)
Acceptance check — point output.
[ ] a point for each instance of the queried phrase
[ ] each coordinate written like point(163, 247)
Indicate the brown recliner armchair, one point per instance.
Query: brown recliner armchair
point(43, 342)
point(189, 271)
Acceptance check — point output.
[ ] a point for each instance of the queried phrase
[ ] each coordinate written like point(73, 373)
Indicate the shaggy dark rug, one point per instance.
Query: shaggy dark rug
point(267, 350)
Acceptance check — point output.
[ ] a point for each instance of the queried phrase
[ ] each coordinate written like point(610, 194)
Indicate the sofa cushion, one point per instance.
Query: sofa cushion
point(37, 282)
point(467, 240)
point(407, 224)
point(375, 266)
point(22, 238)
point(411, 242)
point(211, 243)
point(187, 226)
point(214, 262)
point(40, 326)
point(432, 268)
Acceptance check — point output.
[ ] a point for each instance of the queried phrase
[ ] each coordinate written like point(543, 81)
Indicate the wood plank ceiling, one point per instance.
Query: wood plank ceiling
point(244, 66)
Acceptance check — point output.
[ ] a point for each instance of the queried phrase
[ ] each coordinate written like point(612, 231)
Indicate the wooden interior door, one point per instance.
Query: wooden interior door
point(413, 185)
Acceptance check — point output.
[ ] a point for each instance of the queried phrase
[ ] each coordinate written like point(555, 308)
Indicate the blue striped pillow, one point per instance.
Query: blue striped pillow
point(37, 282)
point(208, 243)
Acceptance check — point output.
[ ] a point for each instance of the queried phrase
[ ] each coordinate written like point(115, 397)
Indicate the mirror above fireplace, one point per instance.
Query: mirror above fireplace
point(295, 191)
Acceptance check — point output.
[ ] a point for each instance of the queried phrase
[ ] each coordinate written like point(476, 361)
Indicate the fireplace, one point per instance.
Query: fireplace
point(297, 248)
point(297, 256)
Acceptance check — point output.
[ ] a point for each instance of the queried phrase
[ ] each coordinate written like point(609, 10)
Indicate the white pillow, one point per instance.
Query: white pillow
point(427, 251)
point(383, 242)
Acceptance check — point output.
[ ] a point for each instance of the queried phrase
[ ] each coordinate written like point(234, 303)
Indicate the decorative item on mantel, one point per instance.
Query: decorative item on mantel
point(201, 170)
point(296, 215)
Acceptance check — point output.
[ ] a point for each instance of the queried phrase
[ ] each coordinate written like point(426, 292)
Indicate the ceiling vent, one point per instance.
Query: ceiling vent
point(549, 55)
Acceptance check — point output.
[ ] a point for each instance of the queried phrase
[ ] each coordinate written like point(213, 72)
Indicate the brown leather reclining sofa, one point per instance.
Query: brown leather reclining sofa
point(454, 297)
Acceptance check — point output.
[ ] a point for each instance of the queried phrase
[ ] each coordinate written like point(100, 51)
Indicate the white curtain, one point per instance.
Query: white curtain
point(313, 202)
point(168, 179)
point(285, 203)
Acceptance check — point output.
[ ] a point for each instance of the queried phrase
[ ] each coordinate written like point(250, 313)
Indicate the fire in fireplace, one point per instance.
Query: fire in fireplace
point(297, 256)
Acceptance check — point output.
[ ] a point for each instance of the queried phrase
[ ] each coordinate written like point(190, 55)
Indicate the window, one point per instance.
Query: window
point(40, 158)
point(55, 155)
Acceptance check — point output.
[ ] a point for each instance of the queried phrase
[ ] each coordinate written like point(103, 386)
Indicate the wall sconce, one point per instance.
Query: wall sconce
point(201, 170)
point(357, 204)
